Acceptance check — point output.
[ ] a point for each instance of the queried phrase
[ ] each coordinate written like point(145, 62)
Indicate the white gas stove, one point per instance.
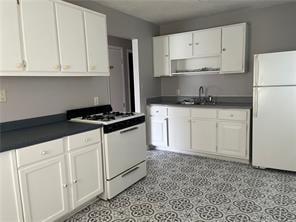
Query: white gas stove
point(124, 145)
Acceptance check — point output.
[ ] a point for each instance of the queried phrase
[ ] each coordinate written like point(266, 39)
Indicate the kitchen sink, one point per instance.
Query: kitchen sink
point(192, 102)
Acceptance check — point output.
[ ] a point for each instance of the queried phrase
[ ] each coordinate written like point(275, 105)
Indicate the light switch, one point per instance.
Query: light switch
point(3, 98)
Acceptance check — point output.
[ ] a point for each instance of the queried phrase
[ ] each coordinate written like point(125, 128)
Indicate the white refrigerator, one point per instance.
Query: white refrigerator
point(274, 111)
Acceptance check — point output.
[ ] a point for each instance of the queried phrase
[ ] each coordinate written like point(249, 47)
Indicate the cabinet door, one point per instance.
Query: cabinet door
point(232, 138)
point(179, 132)
point(44, 190)
point(96, 43)
point(233, 48)
point(40, 35)
point(161, 60)
point(203, 135)
point(181, 46)
point(86, 174)
point(158, 131)
point(10, 41)
point(71, 36)
point(207, 42)
point(10, 201)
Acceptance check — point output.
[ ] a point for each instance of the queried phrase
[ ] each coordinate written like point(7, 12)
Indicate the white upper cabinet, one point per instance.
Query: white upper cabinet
point(233, 48)
point(96, 43)
point(70, 24)
point(40, 35)
point(10, 40)
point(161, 60)
point(180, 46)
point(207, 42)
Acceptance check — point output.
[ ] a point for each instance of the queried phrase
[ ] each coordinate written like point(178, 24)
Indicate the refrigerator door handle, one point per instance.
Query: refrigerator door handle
point(255, 102)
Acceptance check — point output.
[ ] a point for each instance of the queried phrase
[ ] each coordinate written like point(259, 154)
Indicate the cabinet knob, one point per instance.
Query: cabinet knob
point(65, 185)
point(19, 65)
point(57, 67)
point(93, 67)
point(224, 49)
point(166, 55)
point(66, 66)
point(43, 153)
point(75, 181)
point(190, 44)
point(196, 43)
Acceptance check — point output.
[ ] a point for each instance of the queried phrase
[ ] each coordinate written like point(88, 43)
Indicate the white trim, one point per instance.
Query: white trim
point(195, 153)
point(135, 47)
point(123, 76)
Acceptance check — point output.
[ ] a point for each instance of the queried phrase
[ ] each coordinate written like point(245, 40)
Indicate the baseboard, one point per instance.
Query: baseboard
point(219, 157)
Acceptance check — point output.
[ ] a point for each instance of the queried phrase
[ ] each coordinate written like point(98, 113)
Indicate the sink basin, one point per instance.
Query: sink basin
point(189, 102)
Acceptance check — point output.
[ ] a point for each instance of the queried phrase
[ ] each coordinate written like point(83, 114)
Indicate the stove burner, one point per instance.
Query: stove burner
point(108, 116)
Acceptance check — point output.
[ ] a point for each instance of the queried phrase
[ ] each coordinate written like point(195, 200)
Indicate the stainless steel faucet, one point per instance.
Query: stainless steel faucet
point(200, 92)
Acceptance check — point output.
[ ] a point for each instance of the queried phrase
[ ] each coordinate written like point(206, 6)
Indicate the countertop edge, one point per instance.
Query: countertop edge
point(31, 142)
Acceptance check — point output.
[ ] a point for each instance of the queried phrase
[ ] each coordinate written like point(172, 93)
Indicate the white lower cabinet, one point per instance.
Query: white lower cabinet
point(208, 131)
point(232, 138)
point(44, 190)
point(158, 131)
point(85, 166)
point(10, 200)
point(59, 172)
point(204, 135)
point(179, 132)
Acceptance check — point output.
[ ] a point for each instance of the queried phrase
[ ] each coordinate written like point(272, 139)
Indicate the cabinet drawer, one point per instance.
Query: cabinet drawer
point(39, 152)
point(158, 110)
point(204, 113)
point(232, 114)
point(178, 112)
point(83, 139)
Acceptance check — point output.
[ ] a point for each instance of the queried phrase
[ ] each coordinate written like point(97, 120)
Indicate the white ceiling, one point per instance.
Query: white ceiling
point(162, 11)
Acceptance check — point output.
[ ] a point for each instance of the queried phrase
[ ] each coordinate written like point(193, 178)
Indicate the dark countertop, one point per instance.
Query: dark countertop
point(26, 136)
point(221, 102)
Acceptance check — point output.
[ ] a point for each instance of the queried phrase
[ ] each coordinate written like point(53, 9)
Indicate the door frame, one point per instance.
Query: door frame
point(123, 76)
point(137, 91)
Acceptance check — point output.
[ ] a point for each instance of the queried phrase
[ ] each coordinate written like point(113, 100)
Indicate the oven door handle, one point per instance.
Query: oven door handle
point(128, 130)
point(130, 171)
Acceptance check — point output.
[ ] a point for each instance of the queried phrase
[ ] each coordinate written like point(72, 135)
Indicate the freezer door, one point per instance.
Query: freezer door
point(275, 69)
point(274, 127)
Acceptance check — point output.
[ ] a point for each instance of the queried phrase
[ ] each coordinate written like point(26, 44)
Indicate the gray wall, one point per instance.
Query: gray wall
point(125, 44)
point(37, 96)
point(270, 29)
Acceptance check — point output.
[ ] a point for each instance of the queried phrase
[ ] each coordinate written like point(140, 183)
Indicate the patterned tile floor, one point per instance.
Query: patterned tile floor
point(189, 188)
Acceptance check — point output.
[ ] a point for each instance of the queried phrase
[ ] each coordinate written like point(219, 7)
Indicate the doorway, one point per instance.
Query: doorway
point(130, 66)
point(116, 80)
point(122, 92)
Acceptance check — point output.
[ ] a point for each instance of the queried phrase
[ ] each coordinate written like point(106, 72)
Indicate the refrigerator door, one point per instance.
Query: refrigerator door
point(275, 69)
point(274, 127)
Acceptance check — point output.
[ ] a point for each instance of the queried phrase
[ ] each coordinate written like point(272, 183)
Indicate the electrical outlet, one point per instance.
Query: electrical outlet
point(96, 100)
point(3, 98)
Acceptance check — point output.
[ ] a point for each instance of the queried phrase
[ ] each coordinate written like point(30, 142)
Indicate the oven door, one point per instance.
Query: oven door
point(124, 149)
